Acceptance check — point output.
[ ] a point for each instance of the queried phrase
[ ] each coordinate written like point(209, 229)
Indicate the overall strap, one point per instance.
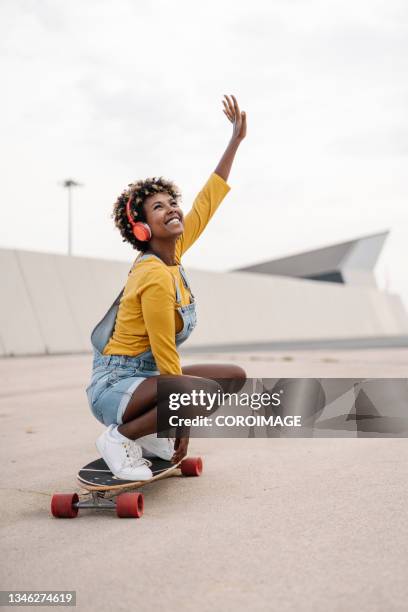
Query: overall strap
point(185, 280)
point(141, 257)
point(178, 294)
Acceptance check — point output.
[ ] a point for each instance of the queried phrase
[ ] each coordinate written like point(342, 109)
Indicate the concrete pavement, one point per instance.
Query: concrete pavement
point(273, 524)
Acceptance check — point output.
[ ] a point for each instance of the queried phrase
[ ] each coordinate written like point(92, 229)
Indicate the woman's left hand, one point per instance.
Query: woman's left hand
point(237, 118)
point(180, 449)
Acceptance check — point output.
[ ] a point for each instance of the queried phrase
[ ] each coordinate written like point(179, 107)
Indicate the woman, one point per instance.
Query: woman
point(136, 342)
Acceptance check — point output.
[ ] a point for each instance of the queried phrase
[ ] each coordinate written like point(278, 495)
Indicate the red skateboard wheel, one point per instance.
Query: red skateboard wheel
point(129, 505)
point(192, 466)
point(62, 505)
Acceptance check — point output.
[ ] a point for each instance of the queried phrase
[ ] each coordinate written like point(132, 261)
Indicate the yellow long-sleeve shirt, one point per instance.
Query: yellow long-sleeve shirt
point(147, 315)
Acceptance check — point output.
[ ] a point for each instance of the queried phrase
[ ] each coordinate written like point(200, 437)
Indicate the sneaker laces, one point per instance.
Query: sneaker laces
point(134, 456)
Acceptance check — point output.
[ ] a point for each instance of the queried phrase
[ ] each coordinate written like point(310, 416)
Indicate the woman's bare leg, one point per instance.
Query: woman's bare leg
point(231, 377)
point(140, 416)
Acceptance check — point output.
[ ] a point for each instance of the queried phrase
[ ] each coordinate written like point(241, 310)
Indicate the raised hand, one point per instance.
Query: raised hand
point(237, 118)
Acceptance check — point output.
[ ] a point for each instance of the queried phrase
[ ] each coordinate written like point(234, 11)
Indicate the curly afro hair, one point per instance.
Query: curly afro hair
point(138, 192)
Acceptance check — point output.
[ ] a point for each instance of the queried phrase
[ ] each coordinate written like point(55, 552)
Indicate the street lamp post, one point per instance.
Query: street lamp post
point(69, 184)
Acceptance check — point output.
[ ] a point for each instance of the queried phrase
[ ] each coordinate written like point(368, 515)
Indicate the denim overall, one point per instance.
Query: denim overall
point(115, 377)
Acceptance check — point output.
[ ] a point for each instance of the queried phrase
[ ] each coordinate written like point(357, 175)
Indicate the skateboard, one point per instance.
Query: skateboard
point(102, 490)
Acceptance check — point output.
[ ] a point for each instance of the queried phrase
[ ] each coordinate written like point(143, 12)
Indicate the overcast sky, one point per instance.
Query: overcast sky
point(110, 91)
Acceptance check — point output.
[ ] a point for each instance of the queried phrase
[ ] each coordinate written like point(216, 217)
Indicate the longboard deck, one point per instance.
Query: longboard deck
point(96, 476)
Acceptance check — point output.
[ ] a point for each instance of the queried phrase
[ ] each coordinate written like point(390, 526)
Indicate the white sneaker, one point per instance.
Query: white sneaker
point(123, 457)
point(157, 447)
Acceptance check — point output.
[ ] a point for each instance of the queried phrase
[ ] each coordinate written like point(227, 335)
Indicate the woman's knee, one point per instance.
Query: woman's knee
point(215, 370)
point(234, 379)
point(187, 383)
point(238, 372)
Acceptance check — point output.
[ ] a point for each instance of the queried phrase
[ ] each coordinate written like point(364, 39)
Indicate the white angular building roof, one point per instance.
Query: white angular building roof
point(350, 263)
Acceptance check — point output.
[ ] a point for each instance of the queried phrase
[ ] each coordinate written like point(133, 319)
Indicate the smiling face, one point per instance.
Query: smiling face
point(164, 215)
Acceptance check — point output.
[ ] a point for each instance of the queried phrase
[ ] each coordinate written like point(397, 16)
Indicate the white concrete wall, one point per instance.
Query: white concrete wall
point(249, 307)
point(50, 304)
point(20, 330)
point(48, 298)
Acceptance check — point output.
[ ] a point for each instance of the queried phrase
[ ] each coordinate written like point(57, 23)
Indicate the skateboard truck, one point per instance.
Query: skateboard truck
point(98, 501)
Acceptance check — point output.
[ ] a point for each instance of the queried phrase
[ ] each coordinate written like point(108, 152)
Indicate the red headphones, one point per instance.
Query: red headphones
point(140, 230)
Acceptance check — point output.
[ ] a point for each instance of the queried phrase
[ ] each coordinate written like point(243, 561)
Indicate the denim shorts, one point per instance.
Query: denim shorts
point(114, 380)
